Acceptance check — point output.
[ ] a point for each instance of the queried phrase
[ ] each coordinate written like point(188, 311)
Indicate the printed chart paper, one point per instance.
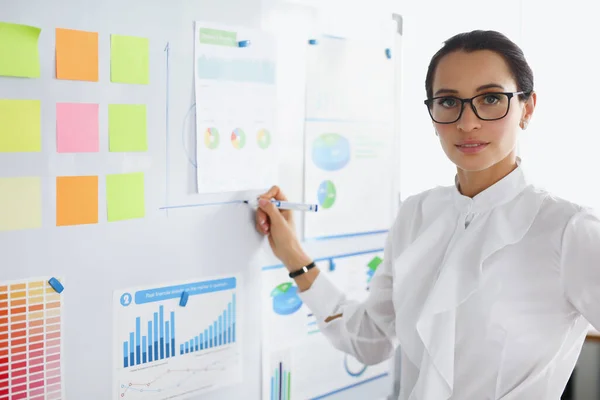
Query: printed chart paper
point(292, 341)
point(235, 109)
point(349, 137)
point(166, 351)
point(31, 340)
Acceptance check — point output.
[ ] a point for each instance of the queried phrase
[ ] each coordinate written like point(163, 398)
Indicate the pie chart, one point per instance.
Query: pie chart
point(211, 138)
point(264, 139)
point(238, 138)
point(326, 194)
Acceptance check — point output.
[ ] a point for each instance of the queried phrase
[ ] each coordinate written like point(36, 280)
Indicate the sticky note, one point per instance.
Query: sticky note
point(127, 127)
point(77, 128)
point(20, 203)
point(76, 200)
point(129, 59)
point(76, 55)
point(19, 55)
point(20, 126)
point(125, 196)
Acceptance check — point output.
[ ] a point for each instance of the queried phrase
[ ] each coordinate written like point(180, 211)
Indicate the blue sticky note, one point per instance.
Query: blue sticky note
point(56, 285)
point(184, 298)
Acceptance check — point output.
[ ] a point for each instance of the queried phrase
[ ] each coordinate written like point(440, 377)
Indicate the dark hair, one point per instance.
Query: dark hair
point(486, 40)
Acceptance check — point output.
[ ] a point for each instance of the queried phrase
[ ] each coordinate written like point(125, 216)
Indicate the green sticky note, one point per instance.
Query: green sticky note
point(129, 59)
point(127, 128)
point(19, 55)
point(20, 126)
point(125, 196)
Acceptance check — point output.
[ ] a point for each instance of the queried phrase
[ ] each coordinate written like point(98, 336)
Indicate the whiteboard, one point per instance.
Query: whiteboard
point(182, 236)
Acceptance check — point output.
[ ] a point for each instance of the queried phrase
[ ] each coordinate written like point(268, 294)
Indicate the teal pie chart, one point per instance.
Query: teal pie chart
point(331, 151)
point(326, 194)
point(285, 299)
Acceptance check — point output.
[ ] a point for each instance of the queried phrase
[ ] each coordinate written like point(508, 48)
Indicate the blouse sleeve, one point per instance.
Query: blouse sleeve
point(580, 265)
point(366, 330)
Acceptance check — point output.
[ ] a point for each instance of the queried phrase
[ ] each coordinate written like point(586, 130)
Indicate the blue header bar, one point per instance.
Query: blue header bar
point(173, 292)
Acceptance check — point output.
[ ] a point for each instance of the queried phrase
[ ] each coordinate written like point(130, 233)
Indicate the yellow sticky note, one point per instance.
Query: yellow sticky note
point(19, 55)
point(20, 203)
point(20, 126)
point(125, 196)
point(129, 59)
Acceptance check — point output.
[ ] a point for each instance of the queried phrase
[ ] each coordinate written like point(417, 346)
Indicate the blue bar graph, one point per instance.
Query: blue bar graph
point(158, 341)
point(142, 349)
point(219, 333)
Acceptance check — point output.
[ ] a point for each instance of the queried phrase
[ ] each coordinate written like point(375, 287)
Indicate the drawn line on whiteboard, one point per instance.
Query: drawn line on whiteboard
point(185, 120)
point(217, 203)
point(167, 51)
point(346, 235)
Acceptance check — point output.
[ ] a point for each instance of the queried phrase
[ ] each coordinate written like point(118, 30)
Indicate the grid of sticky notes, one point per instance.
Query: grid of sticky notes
point(30, 341)
point(77, 126)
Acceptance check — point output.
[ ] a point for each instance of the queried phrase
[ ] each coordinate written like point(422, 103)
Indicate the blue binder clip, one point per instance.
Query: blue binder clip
point(184, 298)
point(56, 285)
point(313, 42)
point(388, 53)
point(244, 43)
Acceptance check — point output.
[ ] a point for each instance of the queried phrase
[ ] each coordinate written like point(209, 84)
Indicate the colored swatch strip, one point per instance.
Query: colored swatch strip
point(30, 341)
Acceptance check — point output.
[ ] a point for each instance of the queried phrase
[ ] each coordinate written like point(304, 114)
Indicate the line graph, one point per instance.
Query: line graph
point(174, 379)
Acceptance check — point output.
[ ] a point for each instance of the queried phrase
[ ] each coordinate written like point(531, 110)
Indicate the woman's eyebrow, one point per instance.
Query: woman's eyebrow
point(479, 89)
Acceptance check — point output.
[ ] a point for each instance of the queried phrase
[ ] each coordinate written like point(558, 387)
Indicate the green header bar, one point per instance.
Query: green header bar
point(218, 37)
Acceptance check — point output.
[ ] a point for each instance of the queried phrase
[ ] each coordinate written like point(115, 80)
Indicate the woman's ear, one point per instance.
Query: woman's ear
point(528, 110)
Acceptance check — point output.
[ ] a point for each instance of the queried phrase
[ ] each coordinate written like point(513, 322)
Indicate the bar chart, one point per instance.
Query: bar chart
point(160, 345)
point(30, 341)
point(220, 332)
point(157, 344)
point(281, 377)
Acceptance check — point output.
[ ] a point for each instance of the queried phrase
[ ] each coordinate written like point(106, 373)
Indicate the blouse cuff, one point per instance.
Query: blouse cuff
point(323, 297)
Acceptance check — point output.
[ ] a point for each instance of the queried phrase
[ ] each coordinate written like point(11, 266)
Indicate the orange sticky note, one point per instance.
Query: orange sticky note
point(76, 200)
point(76, 55)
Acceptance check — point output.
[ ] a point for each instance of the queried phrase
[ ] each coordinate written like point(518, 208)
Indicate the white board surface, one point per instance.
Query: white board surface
point(182, 236)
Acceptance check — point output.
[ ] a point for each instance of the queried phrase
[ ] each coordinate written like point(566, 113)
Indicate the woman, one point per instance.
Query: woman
point(488, 285)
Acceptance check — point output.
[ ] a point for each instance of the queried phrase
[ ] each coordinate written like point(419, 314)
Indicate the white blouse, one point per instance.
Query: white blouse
point(488, 298)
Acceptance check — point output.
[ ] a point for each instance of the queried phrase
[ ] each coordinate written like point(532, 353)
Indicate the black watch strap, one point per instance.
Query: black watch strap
point(302, 270)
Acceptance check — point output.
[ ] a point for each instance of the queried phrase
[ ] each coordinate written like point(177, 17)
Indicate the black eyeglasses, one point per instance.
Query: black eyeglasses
point(487, 106)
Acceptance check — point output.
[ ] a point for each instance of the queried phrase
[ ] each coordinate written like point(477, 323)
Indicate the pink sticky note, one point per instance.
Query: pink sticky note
point(77, 128)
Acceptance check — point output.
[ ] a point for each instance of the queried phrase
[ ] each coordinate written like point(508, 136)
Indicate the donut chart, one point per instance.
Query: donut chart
point(238, 138)
point(326, 194)
point(211, 138)
point(263, 139)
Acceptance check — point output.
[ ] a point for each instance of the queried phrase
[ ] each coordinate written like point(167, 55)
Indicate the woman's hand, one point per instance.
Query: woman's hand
point(279, 226)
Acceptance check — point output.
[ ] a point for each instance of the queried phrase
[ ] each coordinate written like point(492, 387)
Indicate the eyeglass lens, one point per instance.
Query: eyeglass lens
point(488, 106)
